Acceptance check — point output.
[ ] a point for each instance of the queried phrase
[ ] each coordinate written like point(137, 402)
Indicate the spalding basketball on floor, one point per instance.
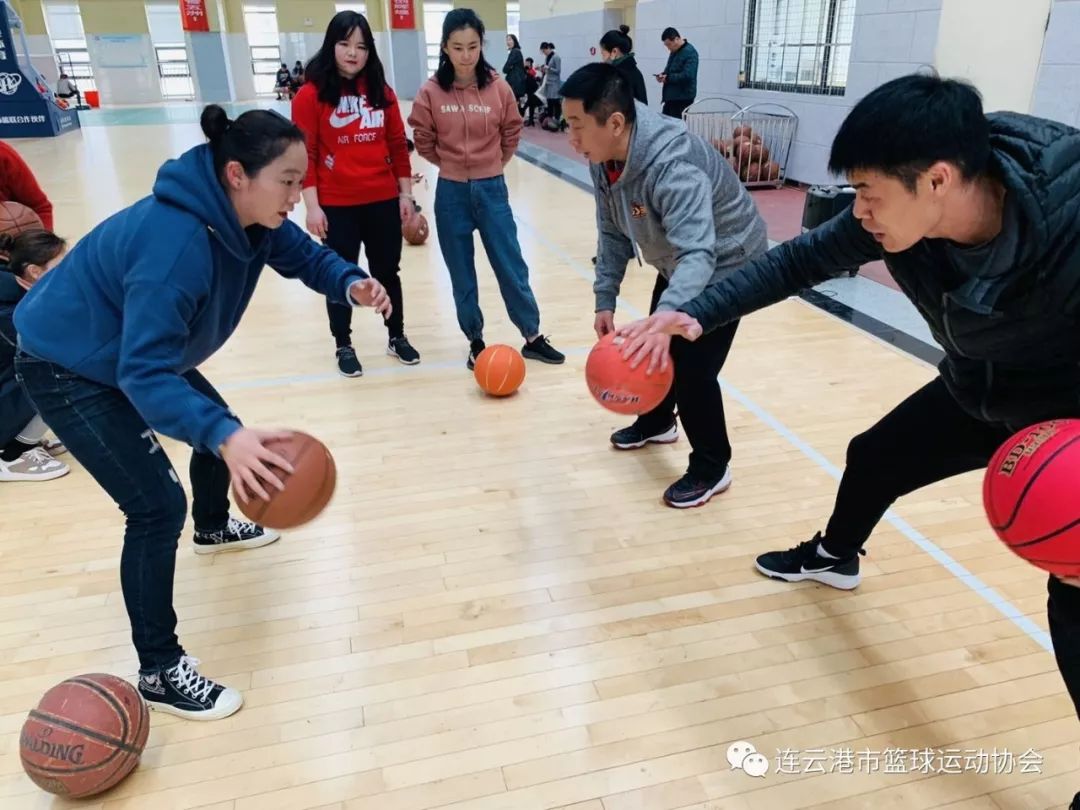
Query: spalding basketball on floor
point(415, 230)
point(16, 218)
point(308, 488)
point(85, 735)
point(499, 370)
point(1032, 495)
point(620, 388)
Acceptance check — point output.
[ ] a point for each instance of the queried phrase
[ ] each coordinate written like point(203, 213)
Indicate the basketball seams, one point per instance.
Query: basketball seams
point(67, 725)
point(1030, 483)
point(1046, 537)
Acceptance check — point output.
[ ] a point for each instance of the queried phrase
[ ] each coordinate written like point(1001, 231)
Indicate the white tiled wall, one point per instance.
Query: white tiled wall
point(1057, 89)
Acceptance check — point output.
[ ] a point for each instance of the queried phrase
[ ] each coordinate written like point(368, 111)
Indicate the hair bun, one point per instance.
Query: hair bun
point(215, 123)
point(624, 28)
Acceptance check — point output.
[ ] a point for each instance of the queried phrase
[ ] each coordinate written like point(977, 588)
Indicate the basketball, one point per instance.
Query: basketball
point(307, 490)
point(499, 370)
point(16, 218)
point(1030, 495)
point(85, 735)
point(620, 388)
point(415, 230)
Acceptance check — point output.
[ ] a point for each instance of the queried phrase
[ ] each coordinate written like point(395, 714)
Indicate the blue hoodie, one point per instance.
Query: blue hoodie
point(157, 288)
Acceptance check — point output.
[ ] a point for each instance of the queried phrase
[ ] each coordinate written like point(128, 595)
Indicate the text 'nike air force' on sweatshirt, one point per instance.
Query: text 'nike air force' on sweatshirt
point(470, 133)
point(356, 154)
point(155, 289)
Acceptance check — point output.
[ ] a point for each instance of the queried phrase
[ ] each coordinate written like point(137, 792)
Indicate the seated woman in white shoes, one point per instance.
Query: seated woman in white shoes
point(110, 340)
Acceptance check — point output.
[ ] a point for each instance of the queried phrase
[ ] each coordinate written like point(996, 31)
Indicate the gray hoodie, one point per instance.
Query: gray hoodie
point(678, 206)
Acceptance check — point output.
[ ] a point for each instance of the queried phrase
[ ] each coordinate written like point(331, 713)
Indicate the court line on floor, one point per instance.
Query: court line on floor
point(1006, 608)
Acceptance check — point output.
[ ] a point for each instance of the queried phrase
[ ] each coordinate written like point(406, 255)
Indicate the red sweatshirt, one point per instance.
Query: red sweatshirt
point(356, 154)
point(18, 184)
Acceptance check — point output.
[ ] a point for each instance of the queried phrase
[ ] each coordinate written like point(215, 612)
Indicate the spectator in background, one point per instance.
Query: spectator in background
point(18, 184)
point(65, 88)
point(680, 76)
point(282, 82)
point(514, 69)
point(532, 84)
point(616, 48)
point(551, 86)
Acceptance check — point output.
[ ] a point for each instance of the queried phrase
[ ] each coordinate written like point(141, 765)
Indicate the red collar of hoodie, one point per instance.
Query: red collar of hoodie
point(356, 154)
point(470, 133)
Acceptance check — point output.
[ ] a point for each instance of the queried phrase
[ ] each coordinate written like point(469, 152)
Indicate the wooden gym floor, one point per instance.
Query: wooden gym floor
point(497, 613)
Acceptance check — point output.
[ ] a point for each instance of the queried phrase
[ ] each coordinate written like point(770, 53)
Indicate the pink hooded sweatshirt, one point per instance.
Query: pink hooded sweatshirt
point(469, 133)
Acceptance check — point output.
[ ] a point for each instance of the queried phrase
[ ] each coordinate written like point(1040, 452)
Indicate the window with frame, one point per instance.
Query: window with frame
point(64, 23)
point(434, 14)
point(359, 6)
point(264, 43)
point(797, 46)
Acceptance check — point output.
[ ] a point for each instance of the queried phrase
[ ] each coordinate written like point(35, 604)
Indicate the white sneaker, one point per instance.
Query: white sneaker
point(33, 465)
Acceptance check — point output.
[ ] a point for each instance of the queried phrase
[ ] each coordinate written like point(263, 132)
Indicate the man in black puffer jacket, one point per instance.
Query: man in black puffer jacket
point(977, 218)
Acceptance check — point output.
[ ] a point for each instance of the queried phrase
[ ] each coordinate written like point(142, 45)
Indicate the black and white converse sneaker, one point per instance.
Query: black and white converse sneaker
point(540, 349)
point(633, 437)
point(475, 347)
point(347, 363)
point(806, 561)
point(237, 535)
point(400, 348)
point(182, 691)
point(693, 490)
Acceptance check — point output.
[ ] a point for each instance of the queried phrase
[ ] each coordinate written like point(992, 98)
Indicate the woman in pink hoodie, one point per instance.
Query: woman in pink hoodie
point(465, 120)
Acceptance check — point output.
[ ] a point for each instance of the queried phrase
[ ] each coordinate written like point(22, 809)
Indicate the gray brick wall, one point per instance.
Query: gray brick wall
point(1057, 88)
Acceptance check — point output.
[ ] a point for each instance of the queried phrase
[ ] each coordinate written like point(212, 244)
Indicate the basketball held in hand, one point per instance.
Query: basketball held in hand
point(307, 490)
point(620, 388)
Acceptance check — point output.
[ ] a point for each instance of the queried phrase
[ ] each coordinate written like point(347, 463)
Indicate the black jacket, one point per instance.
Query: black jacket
point(15, 408)
point(627, 66)
point(514, 71)
point(1011, 331)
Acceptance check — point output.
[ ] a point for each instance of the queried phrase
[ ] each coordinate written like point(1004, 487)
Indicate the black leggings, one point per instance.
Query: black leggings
point(376, 226)
point(927, 438)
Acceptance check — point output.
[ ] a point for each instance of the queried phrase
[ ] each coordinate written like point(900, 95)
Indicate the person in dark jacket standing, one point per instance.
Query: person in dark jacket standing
point(110, 342)
point(514, 69)
point(976, 217)
point(665, 196)
point(616, 48)
point(680, 76)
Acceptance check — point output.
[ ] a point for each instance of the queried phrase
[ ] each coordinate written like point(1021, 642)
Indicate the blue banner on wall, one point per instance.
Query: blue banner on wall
point(28, 108)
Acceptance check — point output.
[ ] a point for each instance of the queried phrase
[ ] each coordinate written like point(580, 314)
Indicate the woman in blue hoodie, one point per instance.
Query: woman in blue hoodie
point(109, 343)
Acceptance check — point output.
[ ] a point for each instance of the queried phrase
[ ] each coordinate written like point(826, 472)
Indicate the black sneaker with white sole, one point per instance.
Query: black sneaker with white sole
point(475, 348)
point(236, 536)
point(182, 691)
point(347, 363)
point(804, 562)
point(400, 348)
point(633, 437)
point(540, 349)
point(694, 490)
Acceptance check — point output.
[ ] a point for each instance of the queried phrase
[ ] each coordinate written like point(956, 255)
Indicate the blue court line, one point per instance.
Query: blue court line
point(1006, 608)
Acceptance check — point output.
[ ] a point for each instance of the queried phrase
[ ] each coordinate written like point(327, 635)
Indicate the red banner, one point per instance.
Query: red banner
point(402, 14)
point(193, 15)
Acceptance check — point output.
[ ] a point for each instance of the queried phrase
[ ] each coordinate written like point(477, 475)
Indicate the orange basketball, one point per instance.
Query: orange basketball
point(1029, 493)
point(85, 735)
point(16, 218)
point(620, 388)
point(499, 370)
point(307, 490)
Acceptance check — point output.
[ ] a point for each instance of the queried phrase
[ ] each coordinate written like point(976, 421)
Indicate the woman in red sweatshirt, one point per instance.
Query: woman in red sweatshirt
point(358, 188)
point(466, 121)
point(18, 184)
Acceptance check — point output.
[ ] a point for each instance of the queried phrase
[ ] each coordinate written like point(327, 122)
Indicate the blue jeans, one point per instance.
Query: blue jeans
point(483, 205)
point(105, 433)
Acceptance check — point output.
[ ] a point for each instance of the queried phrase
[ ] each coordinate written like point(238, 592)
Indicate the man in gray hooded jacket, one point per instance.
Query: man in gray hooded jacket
point(666, 198)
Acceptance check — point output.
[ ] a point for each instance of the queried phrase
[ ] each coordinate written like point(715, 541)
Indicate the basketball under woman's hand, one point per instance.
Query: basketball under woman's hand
point(249, 460)
point(370, 293)
point(316, 223)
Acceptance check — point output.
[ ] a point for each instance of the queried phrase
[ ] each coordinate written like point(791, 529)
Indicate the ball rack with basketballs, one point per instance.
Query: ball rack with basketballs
point(28, 108)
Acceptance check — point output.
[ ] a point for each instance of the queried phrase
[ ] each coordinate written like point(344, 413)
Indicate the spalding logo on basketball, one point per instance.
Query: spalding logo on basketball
point(618, 387)
point(1030, 492)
